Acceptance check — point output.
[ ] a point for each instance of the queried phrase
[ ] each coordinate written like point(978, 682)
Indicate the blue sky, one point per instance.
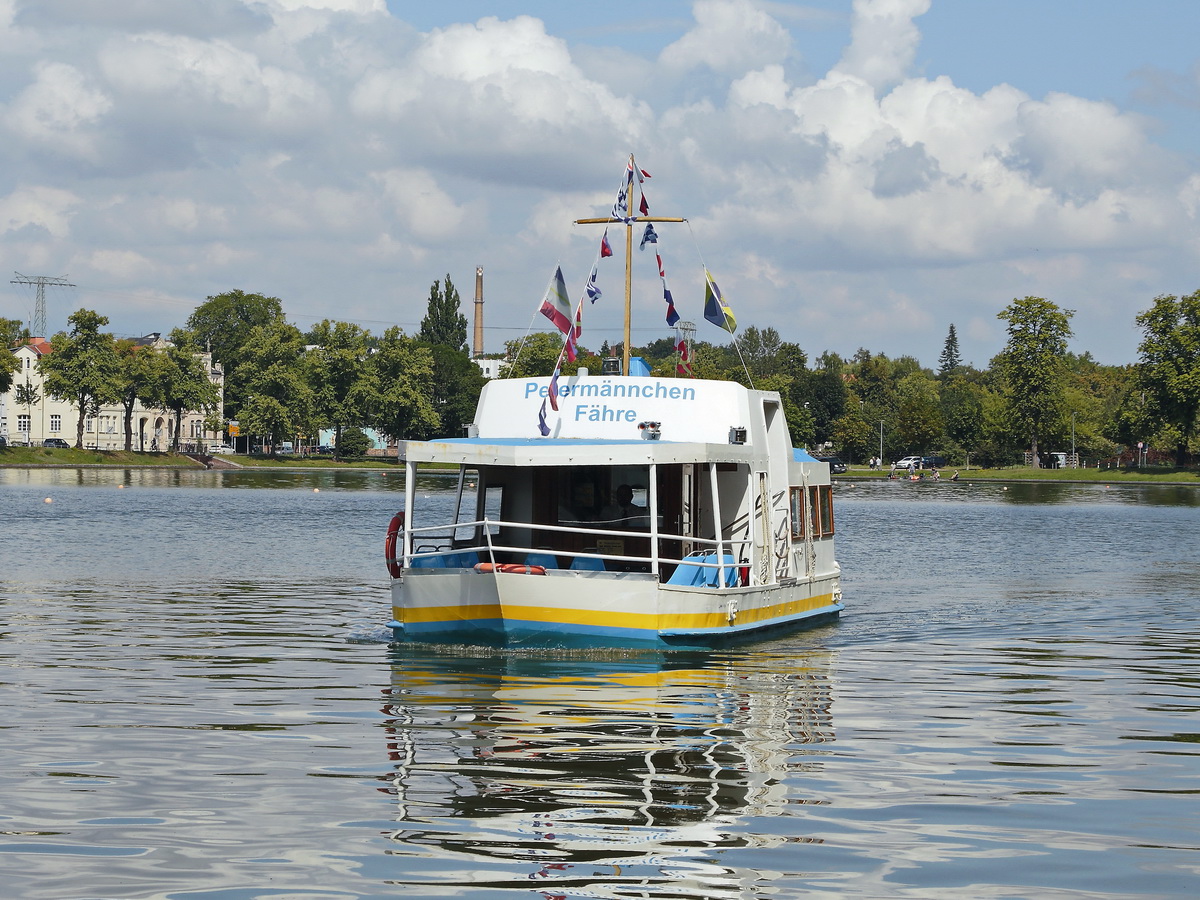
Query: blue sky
point(855, 174)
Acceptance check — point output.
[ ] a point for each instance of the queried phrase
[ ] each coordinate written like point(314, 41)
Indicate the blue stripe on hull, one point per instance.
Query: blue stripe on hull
point(517, 633)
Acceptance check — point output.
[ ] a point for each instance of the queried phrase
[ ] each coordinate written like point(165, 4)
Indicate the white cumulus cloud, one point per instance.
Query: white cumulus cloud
point(40, 206)
point(60, 109)
point(729, 36)
point(884, 40)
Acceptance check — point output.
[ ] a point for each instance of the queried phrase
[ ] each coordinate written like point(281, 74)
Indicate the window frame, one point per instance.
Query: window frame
point(812, 509)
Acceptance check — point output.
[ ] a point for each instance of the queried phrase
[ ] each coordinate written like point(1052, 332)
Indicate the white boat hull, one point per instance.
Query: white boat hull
point(616, 609)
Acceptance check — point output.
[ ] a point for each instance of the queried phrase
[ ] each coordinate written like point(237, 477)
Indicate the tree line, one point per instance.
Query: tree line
point(1033, 398)
point(280, 383)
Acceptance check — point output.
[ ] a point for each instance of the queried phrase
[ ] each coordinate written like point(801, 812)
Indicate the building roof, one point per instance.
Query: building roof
point(38, 345)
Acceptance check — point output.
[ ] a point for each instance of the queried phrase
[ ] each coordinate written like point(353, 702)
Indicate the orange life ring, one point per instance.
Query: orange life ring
point(510, 568)
point(522, 569)
point(394, 565)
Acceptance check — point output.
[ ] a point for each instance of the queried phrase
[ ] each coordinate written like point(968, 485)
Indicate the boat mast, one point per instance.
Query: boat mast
point(629, 223)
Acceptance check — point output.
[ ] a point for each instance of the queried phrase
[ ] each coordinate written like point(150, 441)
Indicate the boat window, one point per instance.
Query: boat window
point(595, 494)
point(798, 513)
point(491, 504)
point(825, 501)
point(814, 511)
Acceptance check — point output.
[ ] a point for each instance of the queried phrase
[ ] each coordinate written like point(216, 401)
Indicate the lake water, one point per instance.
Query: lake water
point(197, 700)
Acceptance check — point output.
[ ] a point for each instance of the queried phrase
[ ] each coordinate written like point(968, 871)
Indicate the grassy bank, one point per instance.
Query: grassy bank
point(49, 456)
point(312, 462)
point(1150, 475)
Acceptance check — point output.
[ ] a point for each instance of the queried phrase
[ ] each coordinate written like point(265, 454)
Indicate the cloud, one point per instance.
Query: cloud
point(41, 207)
point(122, 264)
point(498, 100)
point(729, 36)
point(904, 169)
point(417, 201)
point(358, 7)
point(213, 77)
point(883, 40)
point(59, 110)
point(198, 18)
point(1081, 147)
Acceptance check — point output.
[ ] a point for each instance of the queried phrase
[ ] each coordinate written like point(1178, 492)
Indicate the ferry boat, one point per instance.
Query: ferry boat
point(615, 510)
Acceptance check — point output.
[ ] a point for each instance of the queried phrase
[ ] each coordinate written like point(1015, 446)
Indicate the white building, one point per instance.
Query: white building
point(489, 367)
point(49, 417)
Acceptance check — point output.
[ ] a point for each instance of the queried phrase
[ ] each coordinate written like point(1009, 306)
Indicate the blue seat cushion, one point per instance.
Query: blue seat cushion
point(545, 560)
point(696, 576)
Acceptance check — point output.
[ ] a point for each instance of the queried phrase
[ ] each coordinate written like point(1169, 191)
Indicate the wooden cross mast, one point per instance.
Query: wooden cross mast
point(629, 223)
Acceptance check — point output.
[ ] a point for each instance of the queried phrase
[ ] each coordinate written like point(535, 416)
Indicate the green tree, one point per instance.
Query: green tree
point(997, 446)
point(457, 382)
point(827, 394)
point(444, 324)
point(140, 371)
point(279, 402)
point(760, 350)
point(352, 443)
point(339, 374)
point(962, 411)
point(26, 395)
point(181, 382)
point(11, 334)
point(1032, 366)
point(852, 435)
point(919, 413)
point(951, 360)
point(533, 356)
point(223, 324)
point(1169, 366)
point(82, 368)
point(402, 371)
point(1094, 395)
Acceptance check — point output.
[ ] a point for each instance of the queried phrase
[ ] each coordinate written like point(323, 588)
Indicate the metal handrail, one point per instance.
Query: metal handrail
point(446, 532)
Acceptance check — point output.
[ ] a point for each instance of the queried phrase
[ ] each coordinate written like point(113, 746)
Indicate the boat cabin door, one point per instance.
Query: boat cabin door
point(762, 533)
point(687, 514)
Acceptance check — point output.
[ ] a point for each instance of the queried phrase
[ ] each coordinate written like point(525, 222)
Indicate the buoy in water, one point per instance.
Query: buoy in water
point(316, 490)
point(48, 500)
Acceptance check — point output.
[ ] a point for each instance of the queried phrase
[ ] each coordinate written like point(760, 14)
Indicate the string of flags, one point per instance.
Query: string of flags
point(557, 307)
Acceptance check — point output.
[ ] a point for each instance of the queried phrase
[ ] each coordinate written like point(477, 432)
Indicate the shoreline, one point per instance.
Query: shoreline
point(1104, 477)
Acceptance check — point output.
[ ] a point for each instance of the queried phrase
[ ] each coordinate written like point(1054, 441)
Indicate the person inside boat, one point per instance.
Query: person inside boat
point(623, 507)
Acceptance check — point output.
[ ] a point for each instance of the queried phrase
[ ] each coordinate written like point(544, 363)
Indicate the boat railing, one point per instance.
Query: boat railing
point(436, 546)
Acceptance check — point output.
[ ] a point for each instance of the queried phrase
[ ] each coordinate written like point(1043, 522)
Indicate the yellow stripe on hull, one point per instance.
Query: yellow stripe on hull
point(706, 620)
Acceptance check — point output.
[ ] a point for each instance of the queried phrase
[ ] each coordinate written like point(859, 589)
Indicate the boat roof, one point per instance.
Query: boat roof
point(573, 452)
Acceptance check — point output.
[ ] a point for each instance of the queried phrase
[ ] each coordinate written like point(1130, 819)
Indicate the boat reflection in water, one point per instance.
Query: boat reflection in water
point(611, 777)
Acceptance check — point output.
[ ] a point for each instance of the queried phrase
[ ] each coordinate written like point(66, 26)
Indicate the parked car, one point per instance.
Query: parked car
point(324, 450)
point(914, 461)
point(836, 466)
point(933, 462)
point(220, 449)
point(56, 442)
